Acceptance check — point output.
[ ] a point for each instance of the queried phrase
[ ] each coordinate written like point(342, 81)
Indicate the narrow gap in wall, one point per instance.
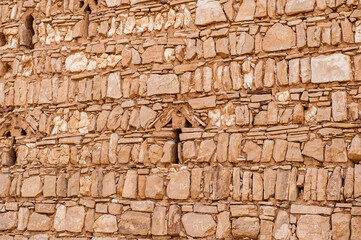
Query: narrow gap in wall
point(2, 39)
point(96, 2)
point(87, 12)
point(177, 146)
point(81, 3)
point(30, 31)
point(23, 132)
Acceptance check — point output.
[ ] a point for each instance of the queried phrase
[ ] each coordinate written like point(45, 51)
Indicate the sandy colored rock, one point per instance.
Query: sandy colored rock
point(162, 84)
point(313, 226)
point(39, 222)
point(330, 68)
point(134, 223)
point(8, 220)
point(106, 223)
point(340, 226)
point(354, 153)
point(31, 187)
point(244, 227)
point(299, 6)
point(198, 225)
point(279, 37)
point(75, 218)
point(209, 11)
point(178, 185)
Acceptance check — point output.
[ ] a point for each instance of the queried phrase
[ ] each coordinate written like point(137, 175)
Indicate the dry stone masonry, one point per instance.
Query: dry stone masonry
point(180, 119)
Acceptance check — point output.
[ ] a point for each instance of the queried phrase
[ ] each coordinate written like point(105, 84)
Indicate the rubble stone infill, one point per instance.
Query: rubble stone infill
point(180, 119)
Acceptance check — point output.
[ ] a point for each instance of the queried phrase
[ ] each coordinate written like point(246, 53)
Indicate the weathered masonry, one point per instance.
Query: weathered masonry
point(180, 119)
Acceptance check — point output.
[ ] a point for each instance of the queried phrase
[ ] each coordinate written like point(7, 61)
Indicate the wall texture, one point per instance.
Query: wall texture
point(180, 119)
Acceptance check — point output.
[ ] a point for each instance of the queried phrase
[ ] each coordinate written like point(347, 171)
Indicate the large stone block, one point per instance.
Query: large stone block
point(162, 84)
point(331, 68)
point(178, 186)
point(245, 227)
point(313, 227)
point(209, 11)
point(199, 225)
point(135, 223)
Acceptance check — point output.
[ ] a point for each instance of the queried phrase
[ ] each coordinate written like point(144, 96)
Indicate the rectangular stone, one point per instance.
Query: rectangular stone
point(307, 209)
point(331, 68)
point(204, 102)
point(244, 210)
point(162, 84)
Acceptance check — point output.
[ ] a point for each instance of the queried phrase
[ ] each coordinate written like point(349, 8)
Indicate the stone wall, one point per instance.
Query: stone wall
point(180, 119)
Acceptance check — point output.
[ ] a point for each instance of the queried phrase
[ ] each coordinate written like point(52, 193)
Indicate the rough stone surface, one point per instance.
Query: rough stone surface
point(331, 68)
point(198, 225)
point(279, 37)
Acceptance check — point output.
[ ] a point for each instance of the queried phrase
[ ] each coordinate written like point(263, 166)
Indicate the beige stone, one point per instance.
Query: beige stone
point(8, 220)
point(39, 222)
point(178, 185)
point(31, 187)
point(282, 228)
point(279, 37)
point(313, 226)
point(354, 152)
point(106, 223)
point(198, 225)
point(331, 68)
point(223, 225)
point(159, 224)
point(340, 226)
point(209, 11)
point(206, 151)
point(135, 223)
point(299, 6)
point(245, 227)
point(154, 187)
point(75, 218)
point(5, 182)
point(162, 84)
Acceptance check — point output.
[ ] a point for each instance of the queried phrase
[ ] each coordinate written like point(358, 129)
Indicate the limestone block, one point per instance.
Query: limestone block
point(355, 228)
point(59, 218)
point(76, 62)
point(174, 220)
point(208, 12)
point(221, 181)
point(354, 153)
point(299, 6)
point(106, 223)
point(31, 187)
point(246, 11)
point(253, 151)
point(279, 37)
point(162, 84)
point(39, 222)
point(206, 151)
point(5, 182)
point(130, 184)
point(75, 218)
point(178, 185)
point(8, 220)
point(153, 54)
point(336, 152)
point(282, 228)
point(198, 225)
point(313, 227)
point(205, 102)
point(154, 187)
point(135, 223)
point(159, 224)
point(331, 68)
point(223, 225)
point(23, 218)
point(340, 226)
point(245, 227)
